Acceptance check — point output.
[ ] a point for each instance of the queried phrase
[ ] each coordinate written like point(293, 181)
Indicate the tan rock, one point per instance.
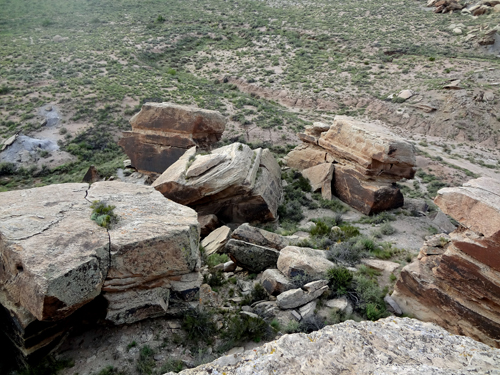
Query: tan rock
point(373, 151)
point(472, 203)
point(161, 133)
point(320, 177)
point(295, 261)
point(275, 282)
point(306, 156)
point(381, 265)
point(245, 187)
point(215, 241)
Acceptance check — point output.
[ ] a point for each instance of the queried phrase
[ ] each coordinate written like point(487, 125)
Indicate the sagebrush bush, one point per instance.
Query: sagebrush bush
point(339, 279)
point(199, 325)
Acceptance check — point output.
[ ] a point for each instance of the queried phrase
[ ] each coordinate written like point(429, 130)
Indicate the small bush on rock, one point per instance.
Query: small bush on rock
point(103, 214)
point(339, 279)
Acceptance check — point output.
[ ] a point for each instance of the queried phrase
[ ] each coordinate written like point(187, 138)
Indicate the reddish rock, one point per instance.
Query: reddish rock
point(162, 132)
point(368, 197)
point(458, 286)
point(208, 223)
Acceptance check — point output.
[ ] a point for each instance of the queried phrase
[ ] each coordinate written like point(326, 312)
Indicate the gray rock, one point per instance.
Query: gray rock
point(443, 222)
point(245, 286)
point(391, 346)
point(392, 305)
point(275, 282)
point(229, 266)
point(417, 205)
point(249, 314)
point(261, 237)
point(25, 149)
point(296, 315)
point(297, 297)
point(340, 304)
point(252, 257)
point(314, 285)
point(307, 310)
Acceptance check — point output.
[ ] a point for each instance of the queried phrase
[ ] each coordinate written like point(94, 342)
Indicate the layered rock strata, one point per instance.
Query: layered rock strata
point(234, 182)
point(55, 259)
point(456, 280)
point(162, 132)
point(356, 161)
point(388, 346)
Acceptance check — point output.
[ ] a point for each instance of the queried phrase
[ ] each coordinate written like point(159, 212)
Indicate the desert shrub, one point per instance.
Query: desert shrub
point(371, 297)
point(215, 259)
point(103, 214)
point(364, 244)
point(387, 229)
point(301, 279)
point(292, 327)
point(214, 278)
point(258, 293)
point(145, 363)
point(199, 325)
point(380, 218)
point(349, 230)
point(368, 272)
point(311, 324)
point(339, 279)
point(291, 211)
point(7, 169)
point(346, 252)
point(320, 229)
point(334, 204)
point(172, 365)
point(242, 327)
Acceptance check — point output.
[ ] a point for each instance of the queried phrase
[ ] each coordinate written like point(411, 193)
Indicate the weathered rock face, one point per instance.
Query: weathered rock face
point(234, 182)
point(456, 280)
point(55, 259)
point(162, 132)
point(295, 261)
point(357, 162)
point(387, 346)
point(215, 241)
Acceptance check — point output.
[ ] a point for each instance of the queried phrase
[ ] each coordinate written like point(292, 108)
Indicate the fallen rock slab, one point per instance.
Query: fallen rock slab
point(162, 132)
point(392, 346)
point(216, 241)
point(275, 282)
point(298, 297)
point(244, 186)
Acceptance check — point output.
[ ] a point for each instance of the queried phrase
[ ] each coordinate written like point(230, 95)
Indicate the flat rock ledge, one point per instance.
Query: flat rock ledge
point(387, 346)
point(56, 261)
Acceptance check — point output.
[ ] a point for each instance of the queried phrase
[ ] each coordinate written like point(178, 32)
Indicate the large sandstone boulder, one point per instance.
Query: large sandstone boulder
point(395, 346)
point(55, 259)
point(456, 283)
point(234, 182)
point(356, 161)
point(294, 261)
point(162, 132)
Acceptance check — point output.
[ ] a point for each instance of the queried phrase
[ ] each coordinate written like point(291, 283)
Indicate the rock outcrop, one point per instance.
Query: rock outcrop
point(234, 182)
point(55, 259)
point(456, 280)
point(162, 132)
point(388, 346)
point(356, 161)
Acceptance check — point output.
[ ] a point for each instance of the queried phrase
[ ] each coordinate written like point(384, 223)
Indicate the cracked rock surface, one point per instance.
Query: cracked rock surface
point(55, 259)
point(387, 346)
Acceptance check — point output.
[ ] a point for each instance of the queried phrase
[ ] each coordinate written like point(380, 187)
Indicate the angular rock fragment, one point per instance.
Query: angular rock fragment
point(251, 257)
point(275, 282)
point(162, 132)
point(208, 223)
point(298, 297)
point(216, 241)
point(245, 186)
